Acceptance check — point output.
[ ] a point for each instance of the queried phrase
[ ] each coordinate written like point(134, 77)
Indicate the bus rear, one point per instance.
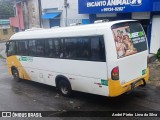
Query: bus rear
point(130, 70)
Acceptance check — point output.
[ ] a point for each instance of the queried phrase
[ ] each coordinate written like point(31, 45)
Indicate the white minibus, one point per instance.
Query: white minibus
point(107, 58)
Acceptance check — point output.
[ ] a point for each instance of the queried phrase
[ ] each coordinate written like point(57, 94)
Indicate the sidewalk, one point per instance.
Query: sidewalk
point(151, 58)
point(154, 78)
point(2, 50)
point(3, 54)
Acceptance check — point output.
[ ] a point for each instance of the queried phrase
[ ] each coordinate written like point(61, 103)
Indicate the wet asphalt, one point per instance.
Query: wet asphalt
point(32, 96)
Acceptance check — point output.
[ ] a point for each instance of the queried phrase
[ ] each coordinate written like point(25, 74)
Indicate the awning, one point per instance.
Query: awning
point(50, 15)
point(85, 21)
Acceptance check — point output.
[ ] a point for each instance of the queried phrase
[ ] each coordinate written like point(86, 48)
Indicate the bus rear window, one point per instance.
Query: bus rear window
point(129, 38)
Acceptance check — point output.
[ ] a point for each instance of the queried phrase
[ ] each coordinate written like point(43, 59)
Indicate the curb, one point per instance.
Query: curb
point(151, 58)
point(2, 53)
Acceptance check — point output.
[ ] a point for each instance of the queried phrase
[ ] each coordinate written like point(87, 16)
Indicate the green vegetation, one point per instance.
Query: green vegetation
point(6, 9)
point(158, 54)
point(1, 57)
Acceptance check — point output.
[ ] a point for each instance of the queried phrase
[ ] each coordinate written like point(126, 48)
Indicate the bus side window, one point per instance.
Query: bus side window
point(11, 48)
point(59, 50)
point(40, 48)
point(54, 48)
point(102, 49)
point(32, 47)
point(22, 48)
point(83, 48)
point(97, 49)
point(50, 48)
point(70, 48)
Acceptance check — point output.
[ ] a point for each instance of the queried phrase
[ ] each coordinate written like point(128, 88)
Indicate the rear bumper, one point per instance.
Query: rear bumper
point(116, 89)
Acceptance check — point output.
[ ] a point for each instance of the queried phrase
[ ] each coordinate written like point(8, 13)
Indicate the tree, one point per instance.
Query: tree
point(6, 9)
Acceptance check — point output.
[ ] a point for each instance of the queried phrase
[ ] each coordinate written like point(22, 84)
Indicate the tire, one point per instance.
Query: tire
point(15, 75)
point(64, 88)
point(144, 83)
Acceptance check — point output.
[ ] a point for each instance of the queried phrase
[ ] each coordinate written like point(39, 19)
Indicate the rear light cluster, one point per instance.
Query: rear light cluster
point(115, 73)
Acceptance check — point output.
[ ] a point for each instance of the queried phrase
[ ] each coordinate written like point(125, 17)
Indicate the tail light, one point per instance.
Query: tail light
point(115, 73)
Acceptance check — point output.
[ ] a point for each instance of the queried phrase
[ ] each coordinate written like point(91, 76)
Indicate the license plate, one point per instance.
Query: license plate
point(140, 82)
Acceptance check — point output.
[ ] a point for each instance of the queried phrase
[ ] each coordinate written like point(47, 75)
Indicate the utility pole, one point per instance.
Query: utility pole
point(19, 20)
point(40, 13)
point(66, 4)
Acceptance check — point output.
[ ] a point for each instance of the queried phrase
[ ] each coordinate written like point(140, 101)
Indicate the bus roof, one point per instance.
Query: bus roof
point(57, 31)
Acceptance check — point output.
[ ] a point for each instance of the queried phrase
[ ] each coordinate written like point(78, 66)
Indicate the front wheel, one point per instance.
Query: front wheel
point(15, 74)
point(65, 88)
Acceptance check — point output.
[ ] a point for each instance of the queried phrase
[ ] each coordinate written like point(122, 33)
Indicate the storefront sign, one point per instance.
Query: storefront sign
point(106, 15)
point(113, 6)
point(4, 26)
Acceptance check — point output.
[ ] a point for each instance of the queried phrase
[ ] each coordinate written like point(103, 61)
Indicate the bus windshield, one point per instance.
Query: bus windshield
point(10, 48)
point(129, 38)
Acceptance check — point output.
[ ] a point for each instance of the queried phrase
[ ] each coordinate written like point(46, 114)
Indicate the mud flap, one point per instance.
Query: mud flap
point(134, 85)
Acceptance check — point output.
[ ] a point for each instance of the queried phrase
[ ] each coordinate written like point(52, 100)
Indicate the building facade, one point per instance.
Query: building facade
point(61, 13)
point(17, 22)
point(26, 15)
point(146, 11)
point(46, 14)
point(5, 30)
point(31, 14)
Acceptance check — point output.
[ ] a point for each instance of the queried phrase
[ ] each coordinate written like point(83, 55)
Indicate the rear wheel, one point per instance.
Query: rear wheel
point(15, 75)
point(64, 88)
point(144, 83)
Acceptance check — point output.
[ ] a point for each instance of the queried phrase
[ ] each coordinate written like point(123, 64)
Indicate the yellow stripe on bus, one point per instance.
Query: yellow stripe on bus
point(116, 89)
point(13, 61)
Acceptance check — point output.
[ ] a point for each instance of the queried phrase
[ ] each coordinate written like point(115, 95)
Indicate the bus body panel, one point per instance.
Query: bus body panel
point(132, 67)
point(85, 79)
point(86, 76)
point(133, 64)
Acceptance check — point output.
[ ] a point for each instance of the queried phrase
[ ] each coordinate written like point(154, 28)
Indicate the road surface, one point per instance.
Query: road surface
point(31, 96)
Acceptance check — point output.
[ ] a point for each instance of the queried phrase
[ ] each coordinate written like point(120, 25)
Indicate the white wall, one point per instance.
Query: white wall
point(45, 23)
point(33, 13)
point(155, 36)
point(72, 17)
point(50, 3)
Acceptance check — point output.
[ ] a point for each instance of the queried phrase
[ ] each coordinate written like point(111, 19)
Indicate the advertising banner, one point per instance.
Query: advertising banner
point(113, 6)
point(129, 39)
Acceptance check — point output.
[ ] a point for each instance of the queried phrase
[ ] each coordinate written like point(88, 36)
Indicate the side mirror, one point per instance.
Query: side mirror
point(7, 47)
